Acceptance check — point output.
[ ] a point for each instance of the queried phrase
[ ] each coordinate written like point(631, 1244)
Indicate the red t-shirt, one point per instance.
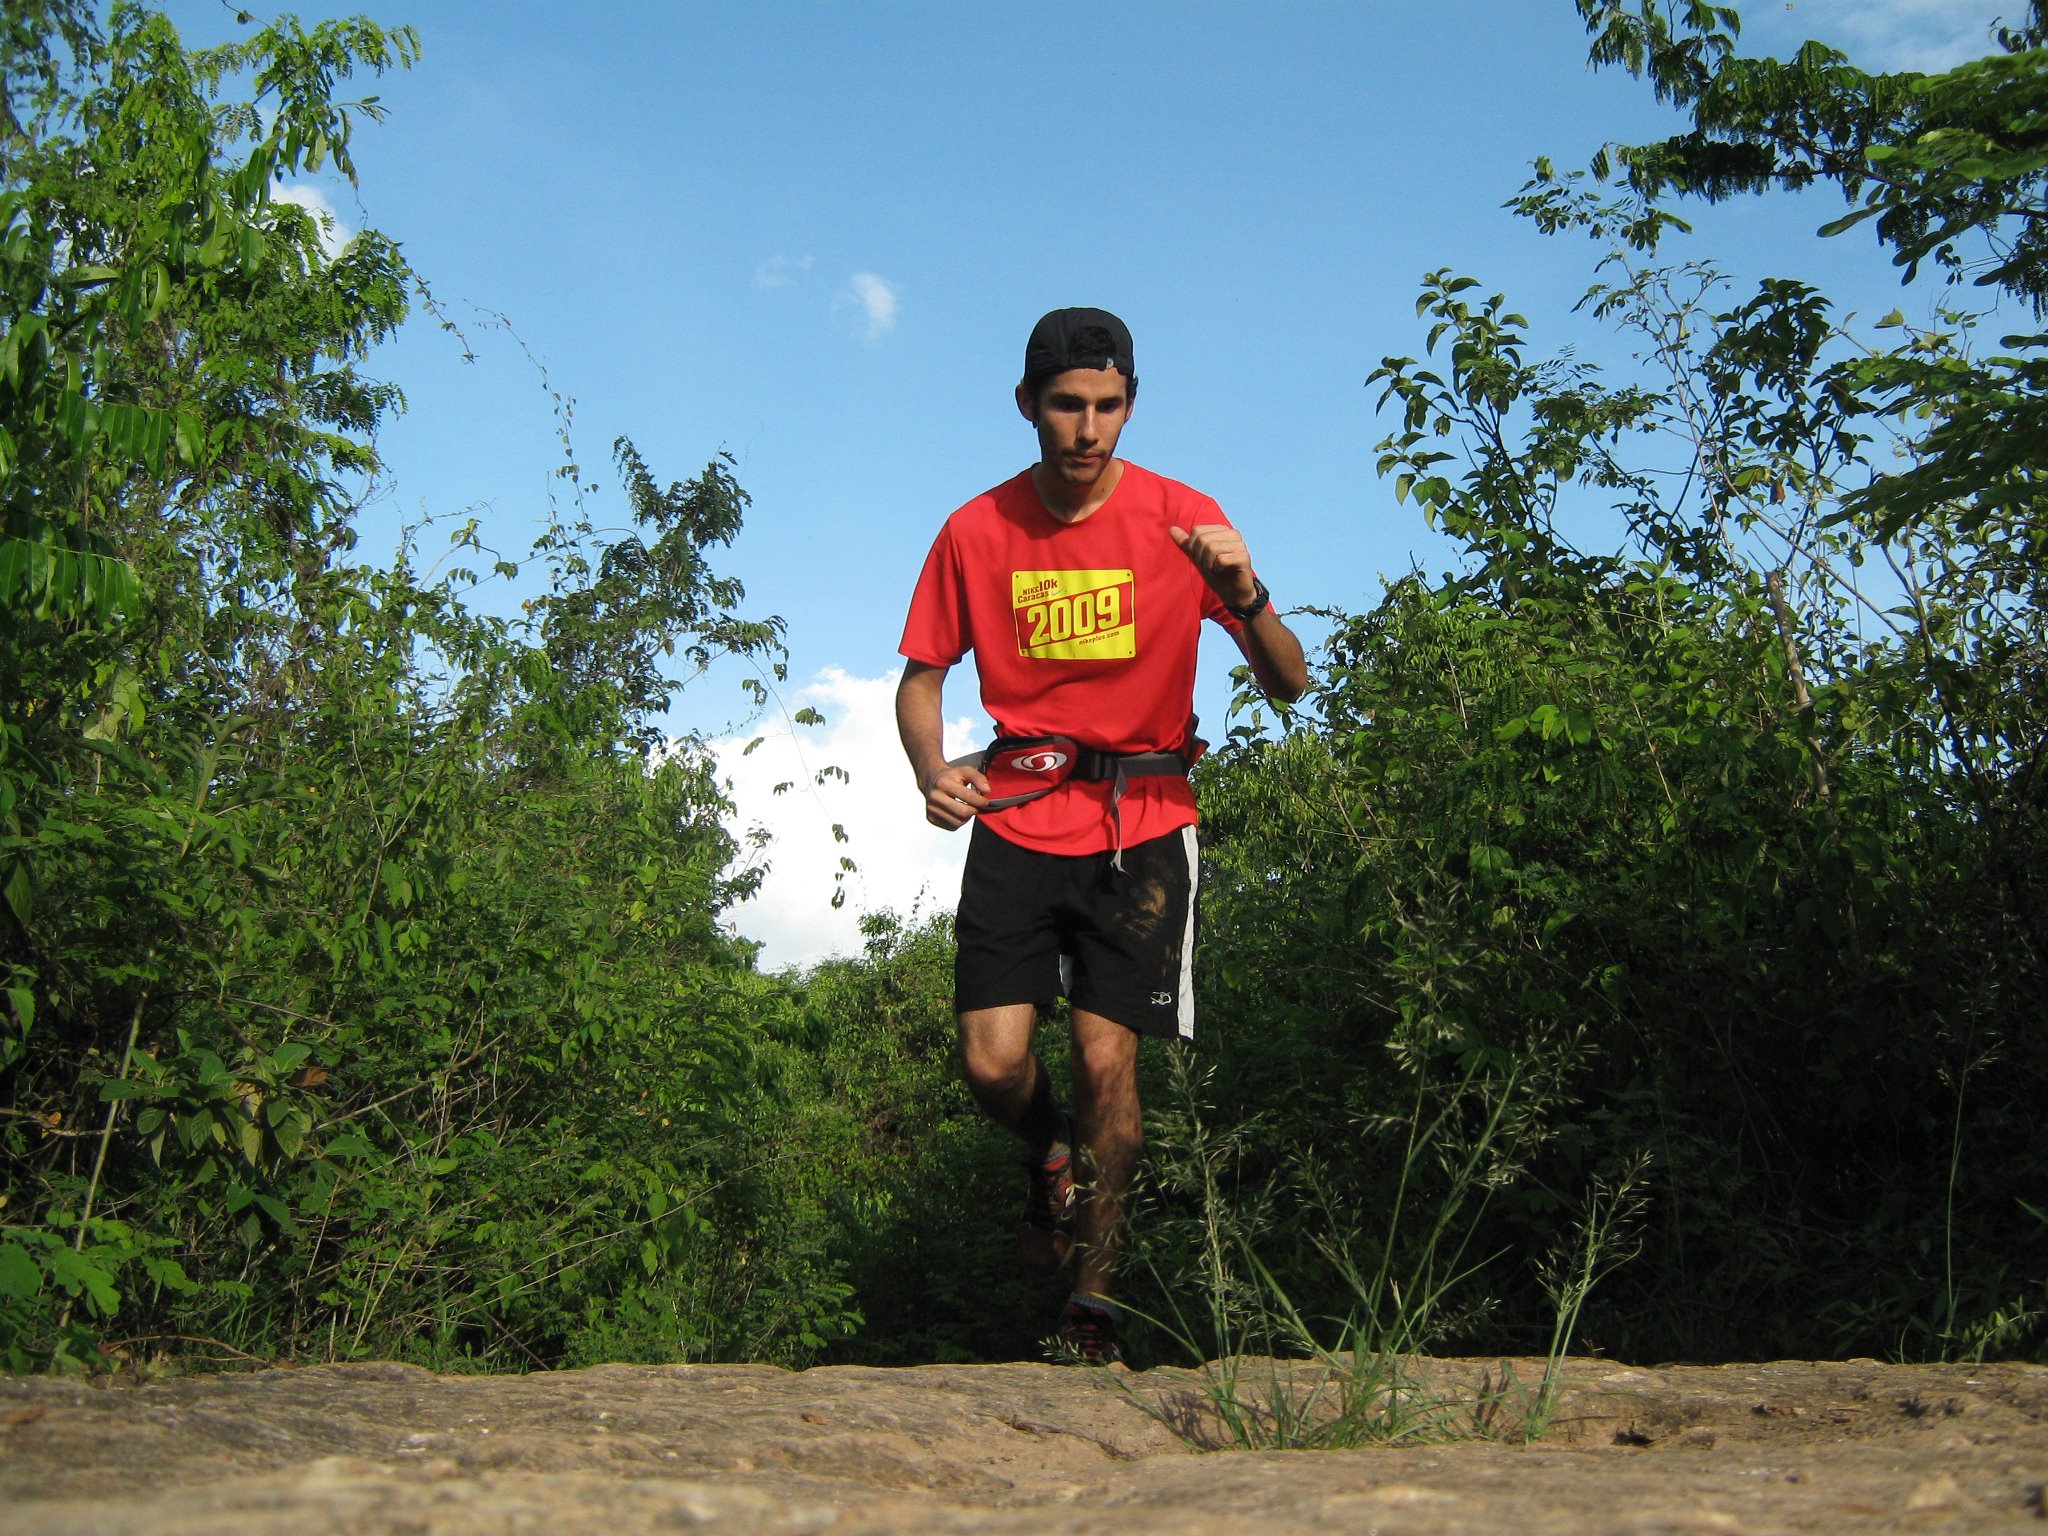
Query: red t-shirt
point(1081, 629)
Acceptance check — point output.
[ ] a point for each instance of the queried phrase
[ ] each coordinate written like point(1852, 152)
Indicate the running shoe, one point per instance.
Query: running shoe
point(1046, 1235)
point(1087, 1336)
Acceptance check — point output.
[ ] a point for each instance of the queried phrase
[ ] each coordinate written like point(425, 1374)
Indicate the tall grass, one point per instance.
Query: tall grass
point(1275, 1377)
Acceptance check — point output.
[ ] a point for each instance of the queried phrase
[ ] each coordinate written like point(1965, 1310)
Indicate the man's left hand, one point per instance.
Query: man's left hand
point(1219, 553)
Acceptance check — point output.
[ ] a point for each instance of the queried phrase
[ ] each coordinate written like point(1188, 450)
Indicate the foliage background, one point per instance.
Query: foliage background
point(367, 991)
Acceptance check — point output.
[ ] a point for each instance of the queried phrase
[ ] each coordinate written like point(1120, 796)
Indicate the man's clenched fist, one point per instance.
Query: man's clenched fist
point(1219, 553)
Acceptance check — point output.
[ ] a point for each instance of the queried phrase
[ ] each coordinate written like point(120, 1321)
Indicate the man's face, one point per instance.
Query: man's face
point(1079, 415)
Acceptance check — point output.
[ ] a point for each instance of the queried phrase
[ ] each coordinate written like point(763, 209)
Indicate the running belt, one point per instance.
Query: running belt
point(1021, 768)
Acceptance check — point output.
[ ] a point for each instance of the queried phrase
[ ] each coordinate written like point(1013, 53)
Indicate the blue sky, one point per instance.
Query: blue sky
point(815, 235)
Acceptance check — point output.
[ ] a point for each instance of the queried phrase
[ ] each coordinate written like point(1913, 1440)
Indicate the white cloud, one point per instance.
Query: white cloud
point(334, 234)
point(1928, 35)
point(876, 299)
point(780, 271)
point(903, 862)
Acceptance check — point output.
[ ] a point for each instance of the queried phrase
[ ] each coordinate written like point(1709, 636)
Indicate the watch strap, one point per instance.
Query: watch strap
point(1251, 610)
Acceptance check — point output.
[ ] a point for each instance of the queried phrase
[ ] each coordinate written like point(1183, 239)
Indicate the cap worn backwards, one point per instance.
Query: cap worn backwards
point(1078, 338)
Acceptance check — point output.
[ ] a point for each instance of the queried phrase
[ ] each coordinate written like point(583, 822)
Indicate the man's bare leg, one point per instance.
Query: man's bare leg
point(1004, 1076)
point(1112, 1133)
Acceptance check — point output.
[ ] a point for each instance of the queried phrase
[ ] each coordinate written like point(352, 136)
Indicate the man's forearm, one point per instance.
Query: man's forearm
point(953, 796)
point(1275, 655)
point(920, 719)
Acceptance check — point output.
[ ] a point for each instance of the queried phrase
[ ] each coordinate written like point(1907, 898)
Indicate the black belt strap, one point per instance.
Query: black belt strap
point(1096, 766)
point(1117, 767)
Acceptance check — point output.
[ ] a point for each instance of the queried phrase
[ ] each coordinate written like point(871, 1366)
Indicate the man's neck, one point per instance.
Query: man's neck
point(1071, 503)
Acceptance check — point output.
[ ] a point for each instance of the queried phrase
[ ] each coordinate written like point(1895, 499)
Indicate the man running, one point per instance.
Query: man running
point(1080, 585)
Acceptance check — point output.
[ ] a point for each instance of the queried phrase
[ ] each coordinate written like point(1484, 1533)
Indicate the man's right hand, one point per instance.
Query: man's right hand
point(954, 795)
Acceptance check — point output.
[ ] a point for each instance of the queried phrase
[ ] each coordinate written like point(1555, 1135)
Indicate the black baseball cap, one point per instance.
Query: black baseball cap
point(1078, 338)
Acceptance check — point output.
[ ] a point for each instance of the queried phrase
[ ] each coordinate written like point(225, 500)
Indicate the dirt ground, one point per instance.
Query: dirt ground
point(1790, 1446)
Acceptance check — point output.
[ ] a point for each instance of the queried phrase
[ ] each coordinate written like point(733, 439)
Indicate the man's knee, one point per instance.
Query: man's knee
point(995, 1049)
point(989, 1072)
point(1105, 1065)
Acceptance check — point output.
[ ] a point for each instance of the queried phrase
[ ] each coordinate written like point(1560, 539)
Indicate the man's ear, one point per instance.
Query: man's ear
point(1027, 404)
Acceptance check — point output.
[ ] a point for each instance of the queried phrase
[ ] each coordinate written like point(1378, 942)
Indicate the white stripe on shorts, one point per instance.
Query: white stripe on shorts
point(1187, 940)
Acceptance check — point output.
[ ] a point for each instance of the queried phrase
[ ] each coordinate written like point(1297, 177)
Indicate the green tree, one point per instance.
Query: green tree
point(1949, 169)
point(1720, 837)
point(367, 985)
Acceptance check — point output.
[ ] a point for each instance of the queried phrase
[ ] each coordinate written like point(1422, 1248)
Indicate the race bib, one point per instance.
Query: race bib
point(1075, 615)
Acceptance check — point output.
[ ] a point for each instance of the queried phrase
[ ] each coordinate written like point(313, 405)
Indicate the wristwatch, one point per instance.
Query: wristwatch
point(1257, 606)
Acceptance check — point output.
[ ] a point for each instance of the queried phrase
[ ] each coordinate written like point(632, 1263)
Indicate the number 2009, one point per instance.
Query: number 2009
point(1076, 617)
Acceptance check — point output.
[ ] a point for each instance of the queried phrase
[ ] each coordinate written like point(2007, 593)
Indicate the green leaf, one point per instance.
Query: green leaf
point(279, 1213)
point(1488, 862)
point(77, 1272)
point(18, 891)
point(1849, 220)
point(20, 1277)
point(168, 1273)
point(190, 435)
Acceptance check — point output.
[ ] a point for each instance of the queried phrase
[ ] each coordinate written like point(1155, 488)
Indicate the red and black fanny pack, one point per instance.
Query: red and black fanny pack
point(1021, 768)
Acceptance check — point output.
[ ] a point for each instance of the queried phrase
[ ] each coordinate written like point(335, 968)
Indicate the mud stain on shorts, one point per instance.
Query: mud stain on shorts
point(1148, 907)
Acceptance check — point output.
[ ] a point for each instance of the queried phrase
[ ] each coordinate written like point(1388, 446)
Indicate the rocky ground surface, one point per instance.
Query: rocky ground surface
point(1791, 1446)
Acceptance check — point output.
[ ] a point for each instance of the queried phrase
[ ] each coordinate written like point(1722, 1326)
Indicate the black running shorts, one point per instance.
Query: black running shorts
point(1034, 926)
